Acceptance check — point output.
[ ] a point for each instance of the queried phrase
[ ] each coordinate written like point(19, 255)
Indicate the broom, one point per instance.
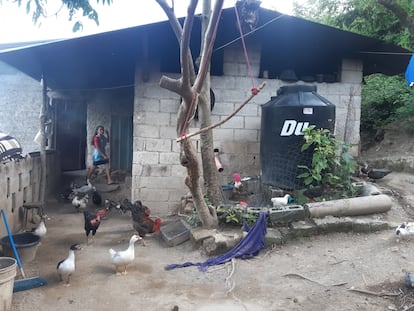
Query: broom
point(25, 283)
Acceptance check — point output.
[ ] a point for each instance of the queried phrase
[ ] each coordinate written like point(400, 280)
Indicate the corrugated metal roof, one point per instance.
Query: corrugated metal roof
point(108, 59)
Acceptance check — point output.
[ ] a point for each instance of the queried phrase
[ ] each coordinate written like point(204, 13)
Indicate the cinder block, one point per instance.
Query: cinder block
point(287, 214)
point(176, 232)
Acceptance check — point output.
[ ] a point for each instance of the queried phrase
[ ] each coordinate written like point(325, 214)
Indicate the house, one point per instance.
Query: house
point(113, 78)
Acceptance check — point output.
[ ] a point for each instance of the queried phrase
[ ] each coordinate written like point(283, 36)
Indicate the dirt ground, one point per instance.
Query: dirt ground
point(327, 272)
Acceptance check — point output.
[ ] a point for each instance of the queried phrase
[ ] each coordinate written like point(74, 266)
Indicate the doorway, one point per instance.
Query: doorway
point(121, 142)
point(71, 134)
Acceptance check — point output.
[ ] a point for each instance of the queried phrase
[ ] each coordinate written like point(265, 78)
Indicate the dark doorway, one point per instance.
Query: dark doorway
point(121, 142)
point(71, 134)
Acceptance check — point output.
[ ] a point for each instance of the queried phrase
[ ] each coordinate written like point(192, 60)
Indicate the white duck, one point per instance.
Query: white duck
point(405, 231)
point(278, 201)
point(84, 189)
point(41, 229)
point(121, 259)
point(65, 268)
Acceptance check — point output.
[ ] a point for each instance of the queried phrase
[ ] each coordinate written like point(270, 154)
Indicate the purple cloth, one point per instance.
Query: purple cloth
point(247, 248)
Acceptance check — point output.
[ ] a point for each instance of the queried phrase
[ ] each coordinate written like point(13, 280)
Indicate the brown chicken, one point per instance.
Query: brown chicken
point(141, 220)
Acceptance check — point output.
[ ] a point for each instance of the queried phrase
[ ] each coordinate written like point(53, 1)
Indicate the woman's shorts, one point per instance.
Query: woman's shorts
point(100, 162)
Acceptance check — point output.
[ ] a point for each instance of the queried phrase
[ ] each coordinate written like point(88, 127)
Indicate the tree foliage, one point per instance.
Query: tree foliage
point(40, 10)
point(372, 18)
point(385, 100)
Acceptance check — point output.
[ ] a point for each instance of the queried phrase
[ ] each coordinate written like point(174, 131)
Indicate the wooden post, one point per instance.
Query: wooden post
point(43, 159)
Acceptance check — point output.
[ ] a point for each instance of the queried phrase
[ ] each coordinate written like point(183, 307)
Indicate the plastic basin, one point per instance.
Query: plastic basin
point(26, 246)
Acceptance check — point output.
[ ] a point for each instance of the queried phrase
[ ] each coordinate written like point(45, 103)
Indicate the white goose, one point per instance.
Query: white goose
point(121, 259)
point(65, 268)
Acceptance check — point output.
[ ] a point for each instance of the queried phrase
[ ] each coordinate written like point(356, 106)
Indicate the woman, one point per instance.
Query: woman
point(99, 156)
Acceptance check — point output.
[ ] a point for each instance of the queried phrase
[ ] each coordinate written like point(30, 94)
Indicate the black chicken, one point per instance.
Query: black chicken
point(92, 222)
point(374, 174)
point(141, 220)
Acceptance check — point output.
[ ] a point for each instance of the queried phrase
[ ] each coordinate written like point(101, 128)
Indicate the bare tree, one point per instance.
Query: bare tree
point(194, 90)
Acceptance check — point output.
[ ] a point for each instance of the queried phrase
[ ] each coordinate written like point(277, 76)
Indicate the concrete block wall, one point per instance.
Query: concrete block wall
point(157, 176)
point(19, 184)
point(20, 103)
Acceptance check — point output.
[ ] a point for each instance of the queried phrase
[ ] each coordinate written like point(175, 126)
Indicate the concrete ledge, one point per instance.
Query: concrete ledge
point(214, 242)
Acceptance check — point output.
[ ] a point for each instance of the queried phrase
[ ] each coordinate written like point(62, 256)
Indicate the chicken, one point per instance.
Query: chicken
point(109, 204)
point(96, 198)
point(278, 201)
point(41, 229)
point(405, 231)
point(121, 259)
point(378, 173)
point(142, 222)
point(85, 189)
point(374, 173)
point(92, 222)
point(80, 202)
point(65, 268)
point(237, 181)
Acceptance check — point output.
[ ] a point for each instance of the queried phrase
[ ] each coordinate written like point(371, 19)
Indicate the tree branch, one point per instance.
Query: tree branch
point(175, 24)
point(173, 85)
point(208, 46)
point(185, 55)
point(261, 86)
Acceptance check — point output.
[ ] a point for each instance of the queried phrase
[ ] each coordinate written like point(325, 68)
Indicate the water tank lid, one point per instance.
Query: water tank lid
point(288, 89)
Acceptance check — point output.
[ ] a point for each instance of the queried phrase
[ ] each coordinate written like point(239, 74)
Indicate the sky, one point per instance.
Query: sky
point(17, 26)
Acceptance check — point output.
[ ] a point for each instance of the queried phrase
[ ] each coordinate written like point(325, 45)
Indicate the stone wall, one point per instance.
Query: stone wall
point(157, 176)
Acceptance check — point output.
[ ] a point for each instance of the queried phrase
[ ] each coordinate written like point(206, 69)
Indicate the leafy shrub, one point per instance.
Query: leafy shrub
point(385, 99)
point(332, 165)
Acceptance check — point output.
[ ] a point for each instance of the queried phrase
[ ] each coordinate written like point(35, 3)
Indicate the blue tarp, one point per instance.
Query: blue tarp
point(247, 248)
point(409, 73)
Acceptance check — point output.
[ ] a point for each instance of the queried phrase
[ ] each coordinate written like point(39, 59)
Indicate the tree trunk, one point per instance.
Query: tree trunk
point(191, 88)
point(210, 174)
point(188, 158)
point(211, 181)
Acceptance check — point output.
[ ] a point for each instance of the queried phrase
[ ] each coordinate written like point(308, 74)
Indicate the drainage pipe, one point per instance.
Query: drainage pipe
point(350, 207)
point(219, 166)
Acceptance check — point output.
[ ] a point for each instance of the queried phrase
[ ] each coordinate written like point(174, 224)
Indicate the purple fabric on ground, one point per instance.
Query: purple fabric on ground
point(248, 247)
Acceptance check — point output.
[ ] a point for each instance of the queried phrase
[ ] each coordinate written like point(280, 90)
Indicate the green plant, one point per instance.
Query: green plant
point(250, 218)
point(193, 218)
point(236, 215)
point(332, 166)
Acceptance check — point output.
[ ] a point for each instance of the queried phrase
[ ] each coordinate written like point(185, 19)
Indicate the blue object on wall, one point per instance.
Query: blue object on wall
point(409, 73)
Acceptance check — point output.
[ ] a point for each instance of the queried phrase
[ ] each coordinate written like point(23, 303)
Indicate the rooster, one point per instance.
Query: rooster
point(141, 220)
point(92, 222)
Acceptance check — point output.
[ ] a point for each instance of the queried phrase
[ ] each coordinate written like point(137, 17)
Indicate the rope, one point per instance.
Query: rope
point(255, 91)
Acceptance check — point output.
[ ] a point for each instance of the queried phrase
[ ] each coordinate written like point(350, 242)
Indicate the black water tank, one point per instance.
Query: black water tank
point(284, 118)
